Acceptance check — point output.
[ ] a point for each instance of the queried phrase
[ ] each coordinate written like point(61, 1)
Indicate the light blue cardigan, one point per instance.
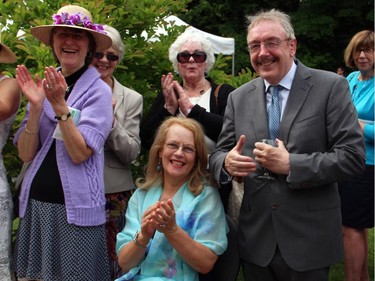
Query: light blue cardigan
point(202, 217)
point(83, 184)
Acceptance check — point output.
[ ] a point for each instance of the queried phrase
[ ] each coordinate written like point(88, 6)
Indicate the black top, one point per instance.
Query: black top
point(46, 185)
point(211, 121)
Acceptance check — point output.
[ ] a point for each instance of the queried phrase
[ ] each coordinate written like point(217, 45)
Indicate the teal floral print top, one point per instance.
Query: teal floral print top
point(201, 216)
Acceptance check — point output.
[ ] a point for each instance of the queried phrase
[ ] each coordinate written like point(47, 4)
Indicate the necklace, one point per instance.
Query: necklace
point(201, 92)
point(205, 87)
point(68, 90)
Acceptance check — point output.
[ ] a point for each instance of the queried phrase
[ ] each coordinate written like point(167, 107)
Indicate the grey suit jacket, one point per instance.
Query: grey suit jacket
point(300, 212)
point(123, 143)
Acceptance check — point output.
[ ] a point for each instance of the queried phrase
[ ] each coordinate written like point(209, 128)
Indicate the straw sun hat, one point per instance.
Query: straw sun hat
point(6, 55)
point(74, 16)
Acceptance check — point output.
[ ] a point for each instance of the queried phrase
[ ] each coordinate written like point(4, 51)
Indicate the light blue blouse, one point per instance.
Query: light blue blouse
point(363, 99)
point(201, 216)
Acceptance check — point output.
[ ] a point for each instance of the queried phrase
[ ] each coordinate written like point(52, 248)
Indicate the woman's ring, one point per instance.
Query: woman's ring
point(162, 226)
point(49, 86)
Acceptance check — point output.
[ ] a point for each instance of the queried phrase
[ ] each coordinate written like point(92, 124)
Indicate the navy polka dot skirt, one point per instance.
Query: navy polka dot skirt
point(49, 248)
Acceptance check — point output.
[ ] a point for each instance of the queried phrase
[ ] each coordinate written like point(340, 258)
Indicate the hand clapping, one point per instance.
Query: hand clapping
point(171, 103)
point(160, 217)
point(33, 90)
point(54, 86)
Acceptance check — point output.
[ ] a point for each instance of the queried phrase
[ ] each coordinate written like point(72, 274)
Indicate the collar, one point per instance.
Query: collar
point(287, 81)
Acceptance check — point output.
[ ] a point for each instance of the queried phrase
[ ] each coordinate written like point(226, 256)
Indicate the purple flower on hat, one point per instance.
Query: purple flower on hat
point(57, 19)
point(100, 28)
point(88, 24)
point(76, 20)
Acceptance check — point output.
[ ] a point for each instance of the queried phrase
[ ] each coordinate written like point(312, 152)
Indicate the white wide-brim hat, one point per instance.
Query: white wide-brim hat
point(6, 55)
point(74, 16)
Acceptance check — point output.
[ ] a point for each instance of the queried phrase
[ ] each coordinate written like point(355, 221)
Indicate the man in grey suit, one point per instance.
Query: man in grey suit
point(289, 226)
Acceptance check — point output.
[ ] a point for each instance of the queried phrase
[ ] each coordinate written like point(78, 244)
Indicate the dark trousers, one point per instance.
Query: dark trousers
point(278, 270)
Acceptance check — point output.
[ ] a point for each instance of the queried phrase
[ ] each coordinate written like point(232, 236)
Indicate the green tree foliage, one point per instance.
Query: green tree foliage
point(323, 28)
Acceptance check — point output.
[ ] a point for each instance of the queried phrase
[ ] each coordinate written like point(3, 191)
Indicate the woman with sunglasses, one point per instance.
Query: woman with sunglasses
point(197, 97)
point(175, 224)
point(357, 194)
point(122, 145)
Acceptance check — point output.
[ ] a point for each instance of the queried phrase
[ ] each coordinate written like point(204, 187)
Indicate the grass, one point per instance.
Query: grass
point(337, 271)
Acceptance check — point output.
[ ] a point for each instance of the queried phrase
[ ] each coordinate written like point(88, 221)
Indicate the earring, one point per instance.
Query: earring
point(158, 167)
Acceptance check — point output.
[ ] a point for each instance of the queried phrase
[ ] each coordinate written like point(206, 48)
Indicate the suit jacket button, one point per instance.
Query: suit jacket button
point(274, 206)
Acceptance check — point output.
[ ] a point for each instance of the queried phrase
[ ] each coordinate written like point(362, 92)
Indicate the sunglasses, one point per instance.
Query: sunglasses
point(110, 57)
point(184, 57)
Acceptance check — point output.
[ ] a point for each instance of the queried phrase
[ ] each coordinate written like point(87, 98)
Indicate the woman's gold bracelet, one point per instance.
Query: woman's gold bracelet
point(29, 132)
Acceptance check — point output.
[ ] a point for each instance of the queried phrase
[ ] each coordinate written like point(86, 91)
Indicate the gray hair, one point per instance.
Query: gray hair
point(117, 43)
point(276, 16)
point(196, 37)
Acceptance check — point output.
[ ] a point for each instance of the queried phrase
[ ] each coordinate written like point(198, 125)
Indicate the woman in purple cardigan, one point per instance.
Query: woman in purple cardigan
point(61, 235)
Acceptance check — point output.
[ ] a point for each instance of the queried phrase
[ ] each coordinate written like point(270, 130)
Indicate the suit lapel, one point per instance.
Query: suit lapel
point(118, 94)
point(297, 96)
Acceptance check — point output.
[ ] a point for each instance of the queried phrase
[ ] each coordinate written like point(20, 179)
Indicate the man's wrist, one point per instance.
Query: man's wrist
point(225, 177)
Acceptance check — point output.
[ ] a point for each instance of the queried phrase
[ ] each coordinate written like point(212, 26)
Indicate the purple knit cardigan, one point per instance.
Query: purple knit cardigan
point(83, 184)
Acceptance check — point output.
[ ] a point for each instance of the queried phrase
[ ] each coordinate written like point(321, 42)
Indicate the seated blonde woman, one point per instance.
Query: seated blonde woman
point(175, 222)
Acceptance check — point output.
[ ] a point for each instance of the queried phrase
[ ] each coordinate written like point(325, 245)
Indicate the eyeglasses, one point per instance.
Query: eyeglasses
point(271, 45)
point(109, 56)
point(198, 57)
point(188, 149)
point(367, 51)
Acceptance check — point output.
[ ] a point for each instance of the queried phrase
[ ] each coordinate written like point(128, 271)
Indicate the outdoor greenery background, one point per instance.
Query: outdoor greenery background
point(323, 29)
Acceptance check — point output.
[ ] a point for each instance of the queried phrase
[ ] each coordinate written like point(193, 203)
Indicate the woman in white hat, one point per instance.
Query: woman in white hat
point(9, 103)
point(61, 235)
